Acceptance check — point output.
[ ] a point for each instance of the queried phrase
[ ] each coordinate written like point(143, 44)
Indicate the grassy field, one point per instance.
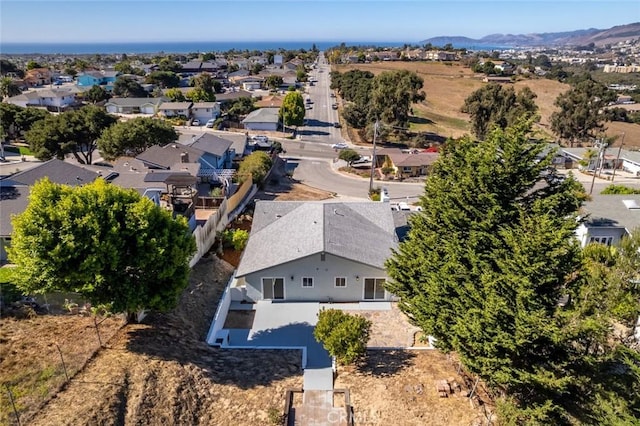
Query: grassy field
point(448, 85)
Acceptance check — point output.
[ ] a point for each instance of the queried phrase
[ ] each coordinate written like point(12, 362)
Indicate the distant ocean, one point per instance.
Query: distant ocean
point(173, 47)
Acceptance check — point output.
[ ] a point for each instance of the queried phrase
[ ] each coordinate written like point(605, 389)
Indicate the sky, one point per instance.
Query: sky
point(94, 21)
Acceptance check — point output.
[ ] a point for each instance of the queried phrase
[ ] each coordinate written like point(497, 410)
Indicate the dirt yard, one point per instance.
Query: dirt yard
point(447, 86)
point(399, 388)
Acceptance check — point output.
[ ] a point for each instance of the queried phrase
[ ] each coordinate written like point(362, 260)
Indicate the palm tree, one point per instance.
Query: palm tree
point(8, 88)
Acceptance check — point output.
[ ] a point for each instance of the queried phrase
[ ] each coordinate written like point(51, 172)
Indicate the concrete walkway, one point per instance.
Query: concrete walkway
point(284, 326)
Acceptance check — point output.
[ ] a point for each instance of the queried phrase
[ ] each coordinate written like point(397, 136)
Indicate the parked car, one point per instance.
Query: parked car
point(362, 160)
point(340, 145)
point(334, 106)
point(210, 123)
point(195, 122)
point(260, 138)
point(337, 125)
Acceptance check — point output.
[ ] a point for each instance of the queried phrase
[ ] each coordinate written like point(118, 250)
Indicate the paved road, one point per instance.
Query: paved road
point(321, 116)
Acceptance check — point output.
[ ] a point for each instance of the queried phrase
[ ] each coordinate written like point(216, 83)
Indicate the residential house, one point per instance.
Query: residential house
point(440, 55)
point(37, 77)
point(606, 219)
point(105, 79)
point(220, 148)
point(407, 163)
point(205, 111)
point(313, 251)
point(176, 109)
point(149, 106)
point(14, 191)
point(262, 119)
point(52, 99)
point(232, 96)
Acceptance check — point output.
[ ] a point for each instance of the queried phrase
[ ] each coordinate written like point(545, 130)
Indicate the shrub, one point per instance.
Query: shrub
point(239, 239)
point(343, 335)
point(257, 165)
point(619, 189)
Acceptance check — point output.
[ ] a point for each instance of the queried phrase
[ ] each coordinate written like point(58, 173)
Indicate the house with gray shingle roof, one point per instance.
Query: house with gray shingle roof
point(606, 219)
point(134, 105)
point(262, 119)
point(314, 251)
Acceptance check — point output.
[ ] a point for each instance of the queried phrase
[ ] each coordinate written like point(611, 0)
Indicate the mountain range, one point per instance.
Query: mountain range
point(566, 38)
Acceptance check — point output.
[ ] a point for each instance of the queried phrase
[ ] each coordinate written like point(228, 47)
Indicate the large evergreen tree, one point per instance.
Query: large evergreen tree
point(487, 260)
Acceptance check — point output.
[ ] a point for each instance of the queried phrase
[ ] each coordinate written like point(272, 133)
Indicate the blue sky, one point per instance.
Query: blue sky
point(299, 20)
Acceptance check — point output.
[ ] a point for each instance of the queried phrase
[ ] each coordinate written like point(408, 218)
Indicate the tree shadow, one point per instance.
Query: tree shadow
point(384, 363)
point(420, 120)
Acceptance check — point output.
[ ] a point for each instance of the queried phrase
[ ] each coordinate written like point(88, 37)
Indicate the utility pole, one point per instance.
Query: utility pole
point(373, 156)
point(617, 158)
point(600, 144)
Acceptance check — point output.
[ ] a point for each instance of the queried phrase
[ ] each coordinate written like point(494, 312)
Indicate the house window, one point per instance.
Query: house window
point(341, 282)
point(374, 288)
point(307, 282)
point(406, 169)
point(601, 240)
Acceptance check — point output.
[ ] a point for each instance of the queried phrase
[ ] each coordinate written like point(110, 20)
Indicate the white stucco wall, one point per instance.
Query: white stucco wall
point(323, 274)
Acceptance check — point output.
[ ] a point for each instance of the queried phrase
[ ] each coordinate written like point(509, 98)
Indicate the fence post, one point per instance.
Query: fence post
point(13, 404)
point(64, 367)
point(95, 323)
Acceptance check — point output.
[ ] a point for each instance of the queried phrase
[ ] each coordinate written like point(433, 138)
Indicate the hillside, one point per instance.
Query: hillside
point(567, 38)
point(447, 86)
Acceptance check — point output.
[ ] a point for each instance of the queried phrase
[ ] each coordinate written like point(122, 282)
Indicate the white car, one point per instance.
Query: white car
point(210, 123)
point(195, 122)
point(340, 145)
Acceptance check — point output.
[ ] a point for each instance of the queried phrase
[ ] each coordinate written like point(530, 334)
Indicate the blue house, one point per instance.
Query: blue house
point(105, 79)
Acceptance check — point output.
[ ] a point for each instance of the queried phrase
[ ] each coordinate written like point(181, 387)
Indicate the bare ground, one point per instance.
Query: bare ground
point(447, 86)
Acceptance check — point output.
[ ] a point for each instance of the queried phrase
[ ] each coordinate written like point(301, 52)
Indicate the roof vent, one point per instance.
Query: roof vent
point(631, 204)
point(278, 215)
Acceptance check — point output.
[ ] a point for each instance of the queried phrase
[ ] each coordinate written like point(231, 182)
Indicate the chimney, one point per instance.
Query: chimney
point(184, 157)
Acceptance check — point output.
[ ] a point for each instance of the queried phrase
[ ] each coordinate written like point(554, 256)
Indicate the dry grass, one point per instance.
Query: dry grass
point(447, 86)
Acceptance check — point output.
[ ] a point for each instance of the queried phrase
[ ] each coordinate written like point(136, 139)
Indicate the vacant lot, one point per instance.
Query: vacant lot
point(447, 86)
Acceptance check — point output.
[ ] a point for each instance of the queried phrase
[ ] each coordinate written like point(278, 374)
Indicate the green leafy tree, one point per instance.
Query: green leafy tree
point(273, 81)
point(33, 65)
point(107, 243)
point(198, 94)
point(256, 68)
point(292, 109)
point(132, 137)
point(7, 67)
point(15, 119)
point(128, 87)
point(164, 79)
point(167, 64)
point(205, 85)
point(487, 260)
point(8, 88)
point(301, 73)
point(348, 155)
point(257, 165)
point(343, 335)
point(175, 95)
point(96, 94)
point(72, 132)
point(392, 94)
point(494, 105)
point(240, 106)
point(580, 117)
point(124, 67)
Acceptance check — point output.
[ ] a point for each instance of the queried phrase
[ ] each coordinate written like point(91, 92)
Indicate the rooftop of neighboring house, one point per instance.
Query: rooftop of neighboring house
point(14, 199)
point(414, 159)
point(230, 96)
point(209, 143)
point(166, 156)
point(175, 106)
point(57, 171)
point(613, 210)
point(200, 105)
point(263, 115)
point(135, 102)
point(284, 231)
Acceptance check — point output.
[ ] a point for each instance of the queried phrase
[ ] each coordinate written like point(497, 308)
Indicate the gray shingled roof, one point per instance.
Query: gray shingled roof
point(212, 144)
point(175, 106)
point(282, 232)
point(609, 210)
point(134, 102)
point(13, 200)
point(168, 155)
point(57, 171)
point(263, 115)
